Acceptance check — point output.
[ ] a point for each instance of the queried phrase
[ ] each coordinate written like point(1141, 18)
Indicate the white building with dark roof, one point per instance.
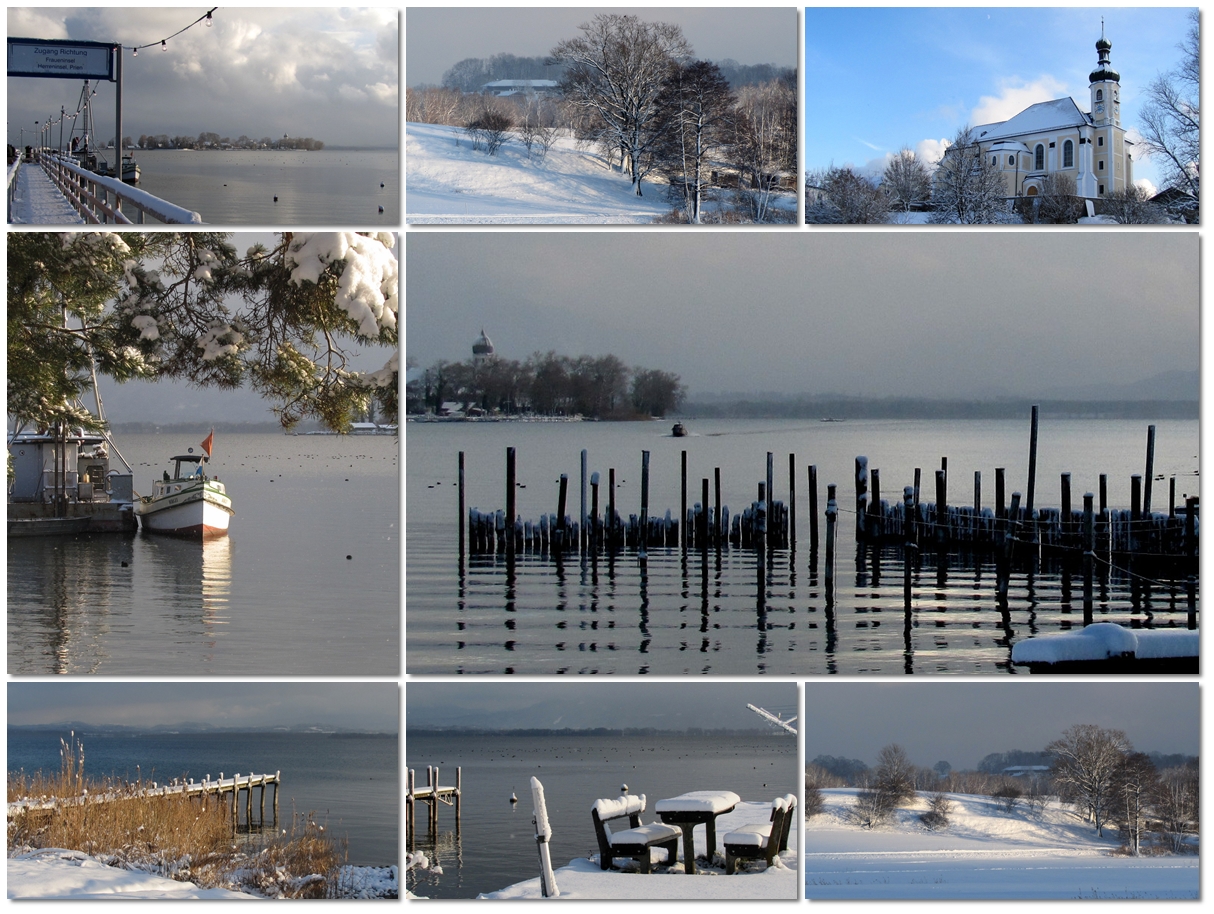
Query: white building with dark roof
point(504, 87)
point(1055, 137)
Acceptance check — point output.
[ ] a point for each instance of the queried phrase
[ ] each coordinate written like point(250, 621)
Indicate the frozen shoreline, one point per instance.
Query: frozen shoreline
point(56, 873)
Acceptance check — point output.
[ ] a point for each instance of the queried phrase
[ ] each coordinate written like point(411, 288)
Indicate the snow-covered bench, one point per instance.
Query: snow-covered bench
point(636, 841)
point(765, 840)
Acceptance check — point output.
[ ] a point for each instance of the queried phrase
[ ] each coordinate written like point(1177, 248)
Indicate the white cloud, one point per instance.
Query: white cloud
point(1146, 185)
point(1014, 96)
point(931, 151)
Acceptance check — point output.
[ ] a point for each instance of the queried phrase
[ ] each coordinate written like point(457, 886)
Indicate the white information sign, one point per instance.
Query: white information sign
point(60, 59)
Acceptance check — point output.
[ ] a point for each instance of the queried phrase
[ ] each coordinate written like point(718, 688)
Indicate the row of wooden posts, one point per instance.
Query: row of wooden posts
point(771, 524)
point(432, 795)
point(706, 524)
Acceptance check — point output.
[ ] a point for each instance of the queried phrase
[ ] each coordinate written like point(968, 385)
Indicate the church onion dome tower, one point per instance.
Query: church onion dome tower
point(482, 349)
point(1104, 71)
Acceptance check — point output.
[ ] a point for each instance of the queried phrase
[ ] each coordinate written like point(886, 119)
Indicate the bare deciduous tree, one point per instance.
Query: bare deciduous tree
point(967, 187)
point(906, 181)
point(615, 72)
point(1086, 759)
point(1170, 121)
point(846, 198)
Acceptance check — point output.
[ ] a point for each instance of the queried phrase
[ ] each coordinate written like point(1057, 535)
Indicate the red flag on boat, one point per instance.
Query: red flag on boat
point(208, 441)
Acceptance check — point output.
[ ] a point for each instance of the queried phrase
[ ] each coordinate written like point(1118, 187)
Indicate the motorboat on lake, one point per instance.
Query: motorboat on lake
point(189, 503)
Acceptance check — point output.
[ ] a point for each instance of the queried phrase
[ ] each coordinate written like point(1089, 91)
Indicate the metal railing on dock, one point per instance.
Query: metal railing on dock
point(13, 170)
point(100, 199)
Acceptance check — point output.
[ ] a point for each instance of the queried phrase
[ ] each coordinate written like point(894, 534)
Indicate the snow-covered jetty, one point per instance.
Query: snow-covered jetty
point(94, 198)
point(1106, 647)
point(432, 795)
point(221, 787)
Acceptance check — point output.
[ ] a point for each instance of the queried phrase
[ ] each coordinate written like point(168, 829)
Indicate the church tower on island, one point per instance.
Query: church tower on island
point(1055, 137)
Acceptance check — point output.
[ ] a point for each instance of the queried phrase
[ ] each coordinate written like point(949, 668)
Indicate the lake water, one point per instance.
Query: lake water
point(496, 842)
point(339, 187)
point(674, 614)
point(277, 596)
point(350, 781)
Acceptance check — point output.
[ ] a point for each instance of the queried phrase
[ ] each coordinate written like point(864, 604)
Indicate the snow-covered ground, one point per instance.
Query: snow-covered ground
point(55, 873)
point(985, 853)
point(583, 879)
point(446, 181)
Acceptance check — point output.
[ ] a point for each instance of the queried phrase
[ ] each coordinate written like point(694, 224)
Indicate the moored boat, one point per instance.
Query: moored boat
point(189, 503)
point(679, 430)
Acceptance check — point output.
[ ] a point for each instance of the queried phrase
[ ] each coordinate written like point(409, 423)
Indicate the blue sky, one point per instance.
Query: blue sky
point(877, 79)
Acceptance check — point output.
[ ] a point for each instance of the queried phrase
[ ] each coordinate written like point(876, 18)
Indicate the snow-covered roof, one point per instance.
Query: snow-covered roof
point(521, 84)
point(1052, 115)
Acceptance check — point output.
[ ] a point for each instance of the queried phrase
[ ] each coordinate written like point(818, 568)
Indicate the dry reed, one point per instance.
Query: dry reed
point(190, 839)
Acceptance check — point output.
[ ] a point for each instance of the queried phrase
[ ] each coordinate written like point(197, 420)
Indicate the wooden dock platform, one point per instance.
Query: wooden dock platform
point(432, 795)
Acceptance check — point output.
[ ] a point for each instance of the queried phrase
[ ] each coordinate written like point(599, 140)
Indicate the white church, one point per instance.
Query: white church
point(1055, 137)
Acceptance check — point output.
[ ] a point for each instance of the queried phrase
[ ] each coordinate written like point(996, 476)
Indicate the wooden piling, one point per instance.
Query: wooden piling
point(1089, 555)
point(861, 494)
point(813, 509)
point(977, 492)
point(1032, 487)
point(1190, 542)
point(1150, 473)
point(562, 495)
point(908, 515)
point(771, 495)
point(1172, 497)
point(611, 532)
point(1065, 491)
point(582, 507)
point(1000, 492)
point(792, 500)
point(462, 509)
point(511, 511)
point(702, 532)
point(832, 516)
point(940, 533)
point(683, 532)
point(719, 532)
point(873, 524)
point(644, 501)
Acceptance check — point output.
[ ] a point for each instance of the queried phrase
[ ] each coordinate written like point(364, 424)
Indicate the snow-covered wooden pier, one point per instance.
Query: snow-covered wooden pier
point(229, 788)
point(431, 795)
point(54, 190)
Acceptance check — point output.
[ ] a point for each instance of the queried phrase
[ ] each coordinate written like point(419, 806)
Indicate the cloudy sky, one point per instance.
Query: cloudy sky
point(933, 314)
point(878, 79)
point(328, 73)
point(437, 38)
point(961, 722)
point(664, 705)
point(356, 706)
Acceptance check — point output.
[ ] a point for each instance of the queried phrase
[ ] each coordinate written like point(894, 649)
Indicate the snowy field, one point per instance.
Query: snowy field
point(582, 879)
point(447, 182)
point(985, 853)
point(54, 873)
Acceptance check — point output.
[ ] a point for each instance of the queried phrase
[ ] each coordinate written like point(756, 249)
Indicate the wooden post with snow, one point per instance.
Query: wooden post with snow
point(832, 516)
point(792, 501)
point(543, 832)
point(562, 495)
point(644, 502)
point(813, 512)
point(771, 481)
point(1089, 554)
point(718, 525)
point(582, 512)
point(683, 531)
point(611, 508)
point(861, 495)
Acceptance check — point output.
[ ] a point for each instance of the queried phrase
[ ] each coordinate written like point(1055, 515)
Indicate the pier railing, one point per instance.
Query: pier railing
point(100, 199)
point(12, 185)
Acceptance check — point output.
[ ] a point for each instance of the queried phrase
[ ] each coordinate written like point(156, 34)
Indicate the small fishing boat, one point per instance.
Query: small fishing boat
point(679, 430)
point(189, 503)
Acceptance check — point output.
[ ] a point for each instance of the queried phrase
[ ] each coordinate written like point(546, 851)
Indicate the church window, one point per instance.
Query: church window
point(1011, 160)
point(1039, 157)
point(1099, 95)
point(1099, 141)
point(1068, 154)
point(994, 160)
point(1100, 165)
point(1102, 189)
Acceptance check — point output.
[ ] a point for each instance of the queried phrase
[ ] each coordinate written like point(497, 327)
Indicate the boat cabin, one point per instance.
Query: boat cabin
point(76, 467)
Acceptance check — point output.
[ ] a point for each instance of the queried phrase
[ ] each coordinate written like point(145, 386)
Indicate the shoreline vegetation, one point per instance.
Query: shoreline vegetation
point(184, 839)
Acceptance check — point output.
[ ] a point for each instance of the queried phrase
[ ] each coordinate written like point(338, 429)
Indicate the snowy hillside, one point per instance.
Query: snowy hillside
point(985, 852)
point(446, 181)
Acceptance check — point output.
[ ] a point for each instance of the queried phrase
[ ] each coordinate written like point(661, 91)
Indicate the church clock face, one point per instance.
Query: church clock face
point(1100, 107)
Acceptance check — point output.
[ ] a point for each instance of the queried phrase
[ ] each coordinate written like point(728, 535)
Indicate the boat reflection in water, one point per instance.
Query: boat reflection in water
point(93, 601)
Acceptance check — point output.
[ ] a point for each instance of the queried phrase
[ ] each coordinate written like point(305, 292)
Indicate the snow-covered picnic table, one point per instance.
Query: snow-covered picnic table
point(697, 807)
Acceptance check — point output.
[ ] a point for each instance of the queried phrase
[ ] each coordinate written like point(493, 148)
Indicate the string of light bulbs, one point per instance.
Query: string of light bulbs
point(163, 42)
